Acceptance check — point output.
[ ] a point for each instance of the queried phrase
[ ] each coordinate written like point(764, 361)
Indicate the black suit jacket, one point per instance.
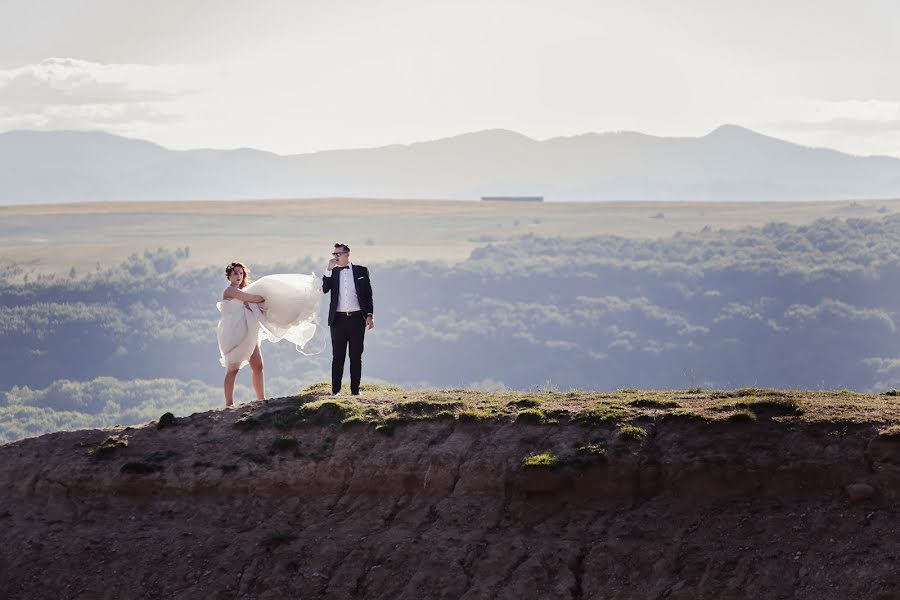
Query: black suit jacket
point(363, 290)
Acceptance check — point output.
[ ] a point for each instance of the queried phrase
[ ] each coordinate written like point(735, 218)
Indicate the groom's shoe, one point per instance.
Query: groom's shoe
point(335, 393)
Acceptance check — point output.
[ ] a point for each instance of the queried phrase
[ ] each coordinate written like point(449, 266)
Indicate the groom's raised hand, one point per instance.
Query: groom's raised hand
point(331, 264)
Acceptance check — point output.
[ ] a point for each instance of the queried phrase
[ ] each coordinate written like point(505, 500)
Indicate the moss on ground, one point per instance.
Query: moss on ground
point(391, 407)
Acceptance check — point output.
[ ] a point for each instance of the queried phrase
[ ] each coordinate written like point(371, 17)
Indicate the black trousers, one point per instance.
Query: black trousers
point(347, 330)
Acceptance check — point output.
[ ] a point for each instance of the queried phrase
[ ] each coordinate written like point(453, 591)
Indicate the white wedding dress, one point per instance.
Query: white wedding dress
point(289, 313)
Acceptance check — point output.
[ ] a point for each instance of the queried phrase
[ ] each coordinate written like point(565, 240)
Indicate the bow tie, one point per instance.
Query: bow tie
point(339, 268)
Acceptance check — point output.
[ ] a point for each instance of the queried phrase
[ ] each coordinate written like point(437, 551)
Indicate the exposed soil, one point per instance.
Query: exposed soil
point(224, 505)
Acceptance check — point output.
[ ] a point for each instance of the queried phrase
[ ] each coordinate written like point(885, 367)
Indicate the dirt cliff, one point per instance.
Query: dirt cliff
point(454, 494)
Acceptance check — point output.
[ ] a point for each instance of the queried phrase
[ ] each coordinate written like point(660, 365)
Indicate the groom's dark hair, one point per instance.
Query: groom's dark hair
point(343, 247)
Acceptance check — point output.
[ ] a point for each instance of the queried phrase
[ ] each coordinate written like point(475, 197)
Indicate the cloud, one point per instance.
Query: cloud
point(109, 116)
point(67, 93)
point(69, 81)
point(846, 116)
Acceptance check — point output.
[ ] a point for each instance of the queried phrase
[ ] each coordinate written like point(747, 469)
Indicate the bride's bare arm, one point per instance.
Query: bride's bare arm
point(243, 296)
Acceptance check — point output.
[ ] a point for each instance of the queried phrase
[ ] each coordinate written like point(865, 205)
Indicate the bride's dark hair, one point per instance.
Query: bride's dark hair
point(230, 269)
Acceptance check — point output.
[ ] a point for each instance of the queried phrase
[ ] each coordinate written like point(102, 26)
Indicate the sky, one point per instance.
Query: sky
point(295, 76)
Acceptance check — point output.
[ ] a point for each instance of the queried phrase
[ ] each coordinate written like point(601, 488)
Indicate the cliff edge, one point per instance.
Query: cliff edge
point(457, 494)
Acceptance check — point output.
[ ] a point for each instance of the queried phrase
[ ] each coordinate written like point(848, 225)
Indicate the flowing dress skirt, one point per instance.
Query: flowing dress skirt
point(289, 313)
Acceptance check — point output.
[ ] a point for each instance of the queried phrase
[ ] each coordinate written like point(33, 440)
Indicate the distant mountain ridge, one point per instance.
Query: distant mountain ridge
point(730, 163)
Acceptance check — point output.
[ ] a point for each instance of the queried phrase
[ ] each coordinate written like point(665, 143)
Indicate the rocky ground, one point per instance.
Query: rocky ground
point(755, 494)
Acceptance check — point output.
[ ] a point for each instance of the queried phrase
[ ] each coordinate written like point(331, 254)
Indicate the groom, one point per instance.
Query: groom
point(349, 315)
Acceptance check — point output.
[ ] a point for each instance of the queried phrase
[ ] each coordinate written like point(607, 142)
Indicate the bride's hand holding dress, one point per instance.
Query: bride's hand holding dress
point(282, 306)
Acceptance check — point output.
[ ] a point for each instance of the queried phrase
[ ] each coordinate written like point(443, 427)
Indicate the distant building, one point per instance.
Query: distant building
point(513, 198)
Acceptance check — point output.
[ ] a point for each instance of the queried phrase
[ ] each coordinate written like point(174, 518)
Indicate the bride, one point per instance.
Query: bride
point(273, 308)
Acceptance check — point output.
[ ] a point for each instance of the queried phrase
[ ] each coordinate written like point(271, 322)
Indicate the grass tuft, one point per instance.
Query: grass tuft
point(540, 461)
point(525, 403)
point(531, 416)
point(599, 415)
point(472, 415)
point(425, 407)
point(654, 403)
point(686, 414)
point(326, 412)
point(779, 405)
point(634, 433)
point(741, 416)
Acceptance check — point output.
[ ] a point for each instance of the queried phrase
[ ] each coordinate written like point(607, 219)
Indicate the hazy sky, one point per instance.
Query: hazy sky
point(296, 76)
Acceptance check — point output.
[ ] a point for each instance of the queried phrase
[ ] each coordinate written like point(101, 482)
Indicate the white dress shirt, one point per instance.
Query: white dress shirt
point(347, 298)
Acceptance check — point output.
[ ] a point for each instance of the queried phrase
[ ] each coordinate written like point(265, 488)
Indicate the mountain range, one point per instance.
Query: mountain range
point(730, 163)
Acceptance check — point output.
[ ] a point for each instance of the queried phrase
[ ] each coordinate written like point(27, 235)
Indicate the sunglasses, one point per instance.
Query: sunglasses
point(337, 253)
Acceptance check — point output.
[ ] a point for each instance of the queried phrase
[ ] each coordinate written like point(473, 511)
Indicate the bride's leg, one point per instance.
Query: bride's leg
point(229, 387)
point(259, 382)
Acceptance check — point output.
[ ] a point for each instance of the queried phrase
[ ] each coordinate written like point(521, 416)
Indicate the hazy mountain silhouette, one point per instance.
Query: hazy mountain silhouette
point(730, 163)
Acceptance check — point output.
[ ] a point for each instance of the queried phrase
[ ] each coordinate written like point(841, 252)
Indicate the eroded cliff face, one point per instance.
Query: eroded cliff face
point(445, 509)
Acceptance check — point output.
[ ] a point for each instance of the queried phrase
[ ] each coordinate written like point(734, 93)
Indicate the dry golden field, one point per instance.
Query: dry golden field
point(53, 238)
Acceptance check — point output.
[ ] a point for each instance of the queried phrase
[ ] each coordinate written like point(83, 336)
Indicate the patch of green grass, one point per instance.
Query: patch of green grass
point(166, 420)
point(472, 415)
point(140, 468)
point(445, 415)
point(595, 448)
point(587, 455)
point(654, 403)
point(354, 420)
point(319, 386)
point(540, 461)
point(425, 407)
point(386, 429)
point(633, 433)
point(776, 404)
point(686, 414)
point(751, 391)
point(599, 415)
point(741, 415)
point(525, 403)
point(284, 443)
point(273, 539)
point(326, 412)
point(379, 387)
point(531, 416)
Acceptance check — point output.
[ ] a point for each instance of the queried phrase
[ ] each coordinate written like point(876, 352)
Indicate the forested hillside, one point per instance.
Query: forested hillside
point(778, 306)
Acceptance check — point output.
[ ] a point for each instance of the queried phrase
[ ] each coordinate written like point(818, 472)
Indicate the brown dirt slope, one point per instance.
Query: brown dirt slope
point(456, 494)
